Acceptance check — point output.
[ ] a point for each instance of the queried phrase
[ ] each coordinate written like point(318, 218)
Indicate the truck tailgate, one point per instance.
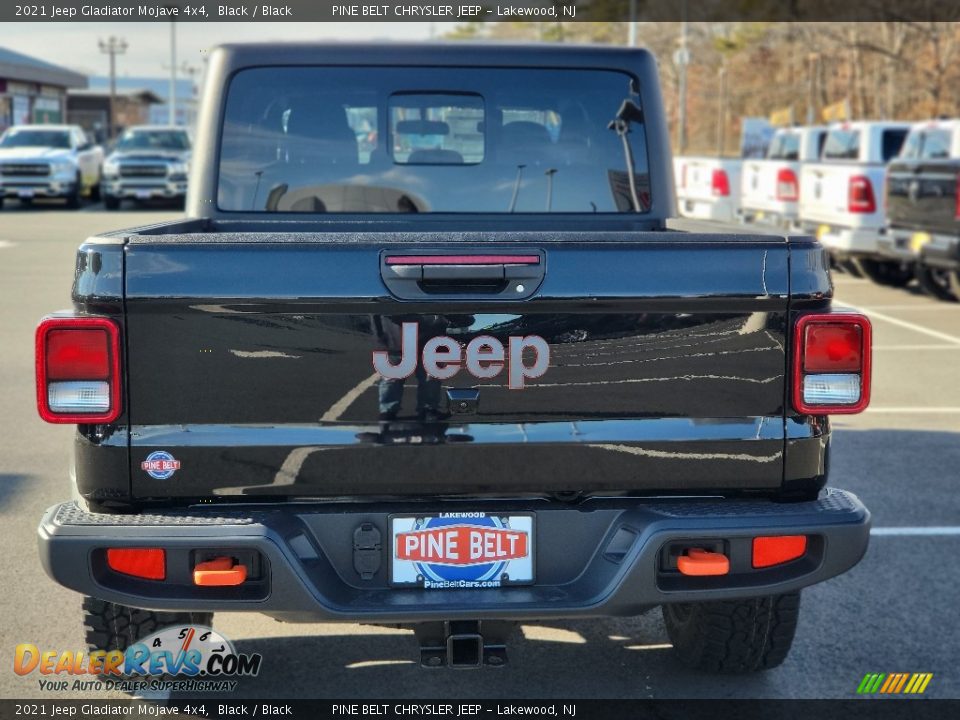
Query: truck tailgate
point(250, 363)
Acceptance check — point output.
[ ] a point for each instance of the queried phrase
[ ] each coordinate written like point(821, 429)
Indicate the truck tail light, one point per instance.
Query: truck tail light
point(683, 175)
point(860, 197)
point(778, 549)
point(78, 370)
point(147, 563)
point(956, 198)
point(831, 367)
point(787, 188)
point(720, 183)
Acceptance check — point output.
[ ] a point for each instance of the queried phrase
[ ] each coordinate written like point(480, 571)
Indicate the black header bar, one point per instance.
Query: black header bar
point(477, 11)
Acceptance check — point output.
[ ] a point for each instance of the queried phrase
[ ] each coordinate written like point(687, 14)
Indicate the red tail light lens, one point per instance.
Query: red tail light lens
point(683, 175)
point(78, 370)
point(860, 197)
point(720, 183)
point(787, 187)
point(769, 551)
point(147, 563)
point(831, 367)
point(78, 354)
point(833, 348)
point(956, 201)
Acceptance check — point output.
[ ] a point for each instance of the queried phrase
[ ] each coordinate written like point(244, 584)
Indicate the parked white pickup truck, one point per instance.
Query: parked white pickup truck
point(708, 188)
point(49, 161)
point(770, 188)
point(841, 197)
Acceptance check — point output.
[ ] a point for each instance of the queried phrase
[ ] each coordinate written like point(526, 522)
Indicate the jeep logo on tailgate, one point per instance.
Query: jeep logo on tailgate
point(484, 358)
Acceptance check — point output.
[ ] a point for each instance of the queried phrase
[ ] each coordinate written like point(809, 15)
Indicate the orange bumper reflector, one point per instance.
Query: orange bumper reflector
point(703, 562)
point(147, 563)
point(768, 551)
point(219, 572)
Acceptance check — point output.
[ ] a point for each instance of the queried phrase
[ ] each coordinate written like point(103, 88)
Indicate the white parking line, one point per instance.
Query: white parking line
point(6, 244)
point(903, 323)
point(920, 531)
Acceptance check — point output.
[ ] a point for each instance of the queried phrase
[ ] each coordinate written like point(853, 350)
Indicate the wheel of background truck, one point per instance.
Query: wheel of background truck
point(954, 279)
point(95, 192)
point(115, 627)
point(935, 282)
point(733, 636)
point(111, 202)
point(74, 198)
point(883, 273)
point(850, 268)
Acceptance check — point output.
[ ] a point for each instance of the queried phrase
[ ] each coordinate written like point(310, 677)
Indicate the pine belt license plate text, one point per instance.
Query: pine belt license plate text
point(461, 550)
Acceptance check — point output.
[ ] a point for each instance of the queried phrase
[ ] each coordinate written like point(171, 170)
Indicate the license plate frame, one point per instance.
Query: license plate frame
point(143, 194)
point(486, 571)
point(26, 194)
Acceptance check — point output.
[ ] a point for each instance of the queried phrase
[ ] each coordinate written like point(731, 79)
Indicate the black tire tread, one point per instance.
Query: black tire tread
point(109, 626)
point(933, 288)
point(735, 636)
point(891, 274)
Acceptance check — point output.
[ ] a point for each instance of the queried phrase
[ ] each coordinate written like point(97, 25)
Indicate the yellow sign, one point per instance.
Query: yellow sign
point(837, 111)
point(918, 240)
point(782, 117)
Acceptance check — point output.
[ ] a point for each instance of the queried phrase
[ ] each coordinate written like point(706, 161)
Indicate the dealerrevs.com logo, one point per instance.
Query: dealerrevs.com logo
point(191, 658)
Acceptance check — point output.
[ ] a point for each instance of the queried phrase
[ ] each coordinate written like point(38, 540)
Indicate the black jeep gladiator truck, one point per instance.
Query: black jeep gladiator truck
point(425, 353)
point(923, 207)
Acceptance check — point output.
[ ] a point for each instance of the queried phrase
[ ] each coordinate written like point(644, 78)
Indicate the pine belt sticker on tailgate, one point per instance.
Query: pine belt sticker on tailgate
point(461, 550)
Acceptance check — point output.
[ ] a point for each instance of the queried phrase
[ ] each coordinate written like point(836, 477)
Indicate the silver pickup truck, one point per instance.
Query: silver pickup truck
point(49, 161)
point(149, 162)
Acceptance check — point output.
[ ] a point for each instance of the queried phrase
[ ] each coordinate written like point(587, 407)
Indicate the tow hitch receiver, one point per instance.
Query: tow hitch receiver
point(698, 561)
point(219, 572)
point(463, 644)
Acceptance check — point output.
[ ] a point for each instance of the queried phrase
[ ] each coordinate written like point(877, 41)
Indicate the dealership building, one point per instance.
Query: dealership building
point(33, 91)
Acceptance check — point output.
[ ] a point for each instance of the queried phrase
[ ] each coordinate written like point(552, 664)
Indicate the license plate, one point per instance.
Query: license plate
point(822, 230)
point(25, 194)
point(451, 551)
point(918, 240)
point(143, 194)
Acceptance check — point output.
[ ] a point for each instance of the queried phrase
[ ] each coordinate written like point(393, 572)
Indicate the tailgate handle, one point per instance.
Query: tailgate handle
point(431, 275)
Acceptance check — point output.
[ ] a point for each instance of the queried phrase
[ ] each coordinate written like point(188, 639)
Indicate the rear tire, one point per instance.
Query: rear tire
point(75, 198)
point(111, 202)
point(937, 283)
point(733, 636)
point(891, 274)
point(849, 267)
point(110, 626)
point(95, 192)
point(954, 280)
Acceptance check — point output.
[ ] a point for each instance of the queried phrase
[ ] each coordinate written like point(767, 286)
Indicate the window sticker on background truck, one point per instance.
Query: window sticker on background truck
point(462, 550)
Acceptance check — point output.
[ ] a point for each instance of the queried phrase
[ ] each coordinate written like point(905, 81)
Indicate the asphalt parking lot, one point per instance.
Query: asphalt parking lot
point(895, 612)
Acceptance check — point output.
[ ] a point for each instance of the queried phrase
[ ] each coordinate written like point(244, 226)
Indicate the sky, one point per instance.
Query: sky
point(74, 45)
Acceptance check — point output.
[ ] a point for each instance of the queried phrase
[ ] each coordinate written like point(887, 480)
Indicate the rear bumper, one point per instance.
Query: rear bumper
point(720, 209)
point(844, 242)
point(604, 557)
point(942, 252)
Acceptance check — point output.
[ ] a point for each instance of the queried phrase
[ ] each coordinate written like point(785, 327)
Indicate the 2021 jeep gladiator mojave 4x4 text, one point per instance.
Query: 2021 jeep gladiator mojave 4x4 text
point(424, 353)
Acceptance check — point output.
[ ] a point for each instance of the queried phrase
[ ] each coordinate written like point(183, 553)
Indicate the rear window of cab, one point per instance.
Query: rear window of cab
point(433, 139)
